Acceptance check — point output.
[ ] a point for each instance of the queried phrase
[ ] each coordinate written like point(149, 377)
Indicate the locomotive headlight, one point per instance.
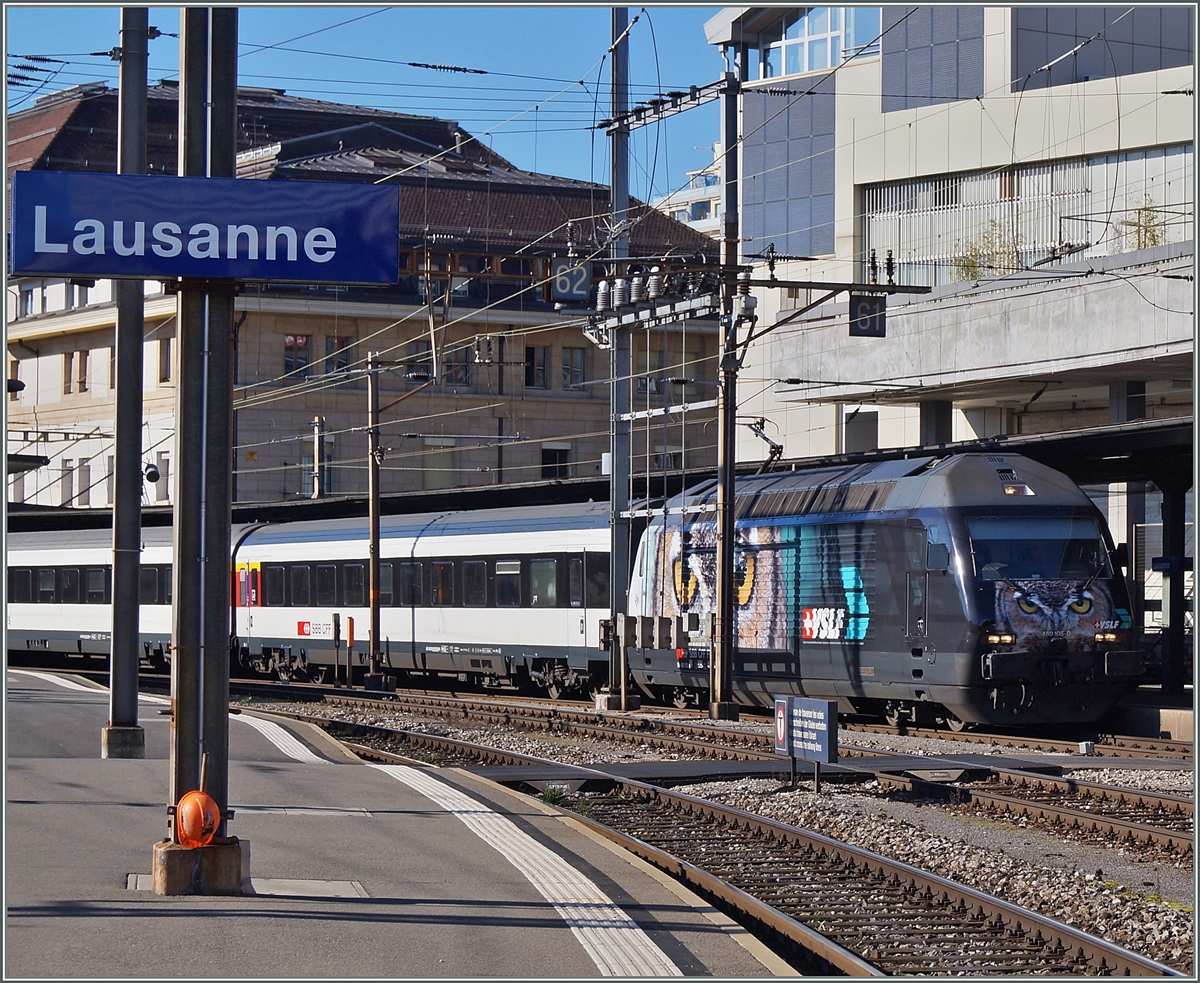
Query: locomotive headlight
point(1001, 638)
point(1106, 636)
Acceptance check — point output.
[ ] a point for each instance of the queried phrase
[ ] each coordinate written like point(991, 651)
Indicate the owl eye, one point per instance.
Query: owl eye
point(743, 579)
point(1081, 606)
point(685, 582)
point(1027, 606)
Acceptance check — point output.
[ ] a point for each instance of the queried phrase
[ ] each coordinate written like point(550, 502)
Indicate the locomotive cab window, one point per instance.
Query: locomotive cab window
point(1038, 549)
point(475, 583)
point(543, 583)
point(508, 583)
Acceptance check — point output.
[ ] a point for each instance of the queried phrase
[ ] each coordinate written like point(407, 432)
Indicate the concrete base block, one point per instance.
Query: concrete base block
point(122, 742)
point(722, 711)
point(612, 701)
point(379, 681)
point(222, 867)
point(1165, 723)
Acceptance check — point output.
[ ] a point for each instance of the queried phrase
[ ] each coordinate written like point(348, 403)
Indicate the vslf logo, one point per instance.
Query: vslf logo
point(822, 624)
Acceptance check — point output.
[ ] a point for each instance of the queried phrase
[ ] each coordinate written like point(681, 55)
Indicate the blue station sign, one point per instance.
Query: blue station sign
point(158, 228)
point(806, 729)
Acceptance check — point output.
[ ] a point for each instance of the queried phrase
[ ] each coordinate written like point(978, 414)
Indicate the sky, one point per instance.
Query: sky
point(538, 82)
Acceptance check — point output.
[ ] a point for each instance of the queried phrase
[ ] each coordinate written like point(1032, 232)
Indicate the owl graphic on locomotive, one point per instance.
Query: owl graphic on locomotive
point(966, 589)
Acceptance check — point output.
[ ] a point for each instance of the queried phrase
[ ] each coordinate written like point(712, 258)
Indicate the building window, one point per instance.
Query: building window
point(77, 295)
point(81, 364)
point(535, 367)
point(306, 466)
point(420, 358)
point(556, 462)
point(295, 355)
point(25, 301)
point(14, 375)
point(572, 368)
point(815, 39)
point(112, 367)
point(66, 483)
point(339, 353)
point(85, 482)
point(164, 359)
point(437, 465)
point(456, 370)
point(701, 211)
point(680, 215)
point(68, 372)
point(109, 477)
point(162, 487)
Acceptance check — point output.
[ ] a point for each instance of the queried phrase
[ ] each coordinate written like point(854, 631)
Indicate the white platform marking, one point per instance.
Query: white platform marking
point(49, 677)
point(281, 738)
point(614, 941)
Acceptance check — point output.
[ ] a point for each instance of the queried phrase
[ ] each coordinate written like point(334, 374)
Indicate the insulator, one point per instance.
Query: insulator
point(654, 284)
point(873, 268)
point(603, 296)
point(743, 284)
point(889, 266)
point(637, 290)
point(620, 293)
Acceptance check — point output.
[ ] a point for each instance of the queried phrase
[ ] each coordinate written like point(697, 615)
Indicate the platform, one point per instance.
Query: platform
point(356, 870)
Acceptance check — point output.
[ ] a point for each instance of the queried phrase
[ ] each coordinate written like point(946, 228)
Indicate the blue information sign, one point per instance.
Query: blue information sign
point(868, 315)
point(149, 227)
point(806, 729)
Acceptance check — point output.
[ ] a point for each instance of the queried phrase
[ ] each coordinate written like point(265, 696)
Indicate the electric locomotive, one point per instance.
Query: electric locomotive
point(968, 589)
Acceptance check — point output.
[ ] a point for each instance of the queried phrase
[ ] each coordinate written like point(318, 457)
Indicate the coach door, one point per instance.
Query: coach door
point(576, 621)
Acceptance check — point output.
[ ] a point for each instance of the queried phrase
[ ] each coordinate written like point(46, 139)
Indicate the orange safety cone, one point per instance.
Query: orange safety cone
point(197, 815)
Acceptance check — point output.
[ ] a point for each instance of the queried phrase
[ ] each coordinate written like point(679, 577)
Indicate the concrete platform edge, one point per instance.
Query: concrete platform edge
point(772, 962)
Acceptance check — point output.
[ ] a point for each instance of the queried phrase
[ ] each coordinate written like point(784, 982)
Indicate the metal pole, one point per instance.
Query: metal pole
point(619, 366)
point(187, 615)
point(373, 456)
point(218, 425)
point(722, 706)
point(122, 737)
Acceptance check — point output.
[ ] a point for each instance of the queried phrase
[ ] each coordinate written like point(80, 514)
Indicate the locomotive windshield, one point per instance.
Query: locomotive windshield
point(1038, 549)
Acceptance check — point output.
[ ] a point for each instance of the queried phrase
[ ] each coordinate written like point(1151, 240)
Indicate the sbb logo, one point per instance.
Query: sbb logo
point(304, 628)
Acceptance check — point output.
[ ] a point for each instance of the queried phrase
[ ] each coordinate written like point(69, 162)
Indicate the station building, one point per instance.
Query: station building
point(1033, 166)
point(486, 382)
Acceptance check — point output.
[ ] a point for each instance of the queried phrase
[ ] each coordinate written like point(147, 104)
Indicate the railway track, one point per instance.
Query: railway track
point(830, 907)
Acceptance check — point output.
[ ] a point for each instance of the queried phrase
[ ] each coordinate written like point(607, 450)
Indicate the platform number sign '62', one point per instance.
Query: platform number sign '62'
point(572, 278)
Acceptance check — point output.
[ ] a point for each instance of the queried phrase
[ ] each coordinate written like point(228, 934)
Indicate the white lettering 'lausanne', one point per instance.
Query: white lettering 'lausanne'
point(203, 240)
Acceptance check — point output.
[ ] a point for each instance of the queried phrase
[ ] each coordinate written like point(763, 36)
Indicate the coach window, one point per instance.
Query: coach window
point(273, 587)
point(148, 585)
point(596, 595)
point(300, 575)
point(543, 581)
point(441, 582)
point(474, 583)
point(575, 571)
point(352, 585)
point(45, 583)
point(164, 584)
point(20, 586)
point(68, 586)
point(508, 583)
point(385, 585)
point(93, 585)
point(326, 585)
point(410, 585)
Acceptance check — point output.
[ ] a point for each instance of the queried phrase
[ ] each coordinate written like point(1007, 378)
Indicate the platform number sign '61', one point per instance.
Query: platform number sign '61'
point(572, 278)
